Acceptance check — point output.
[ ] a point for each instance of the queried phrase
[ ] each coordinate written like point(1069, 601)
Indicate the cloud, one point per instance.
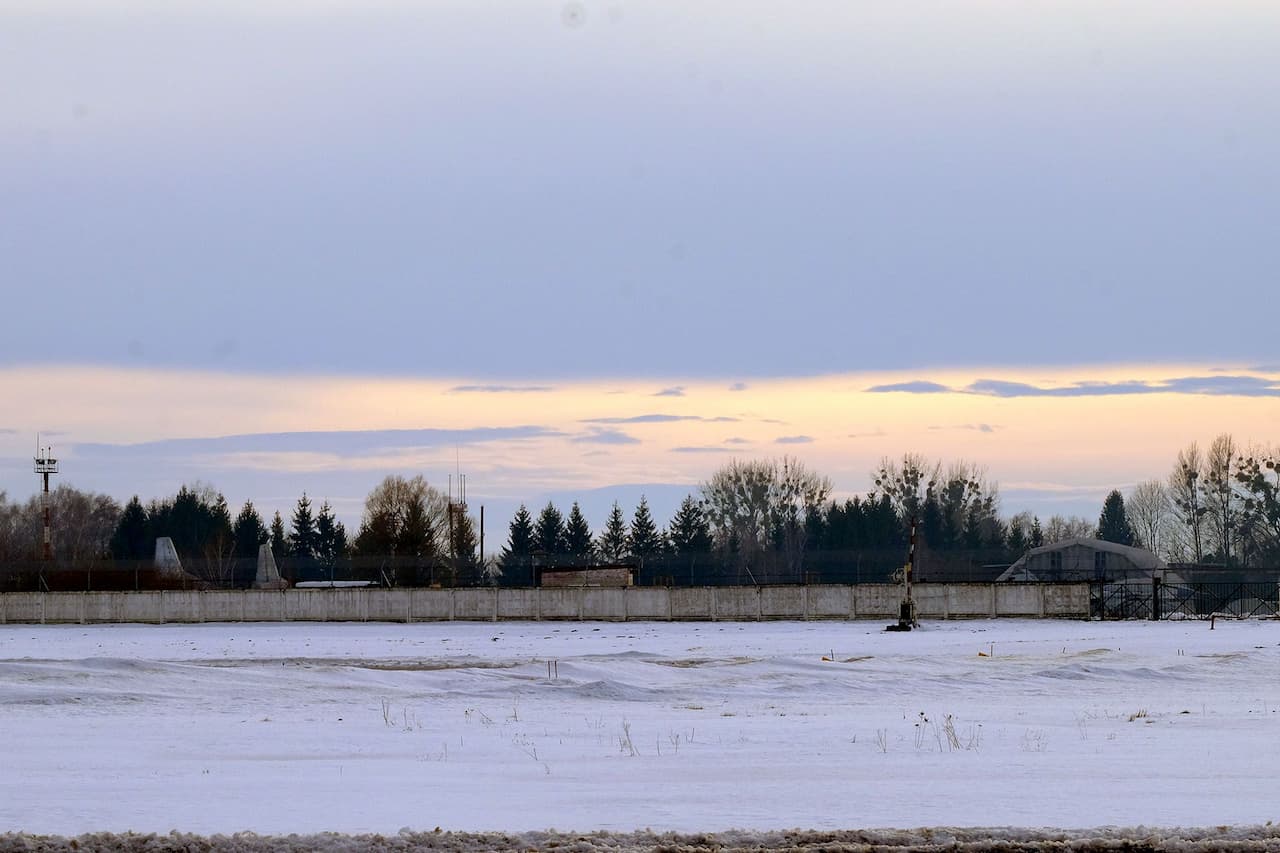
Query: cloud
point(1221, 386)
point(794, 439)
point(340, 442)
point(1218, 386)
point(917, 387)
point(877, 433)
point(736, 440)
point(657, 419)
point(709, 448)
point(738, 386)
point(975, 427)
point(605, 436)
point(7, 431)
point(673, 391)
point(501, 389)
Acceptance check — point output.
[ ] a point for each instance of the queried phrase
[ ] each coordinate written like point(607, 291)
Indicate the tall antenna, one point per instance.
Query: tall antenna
point(46, 465)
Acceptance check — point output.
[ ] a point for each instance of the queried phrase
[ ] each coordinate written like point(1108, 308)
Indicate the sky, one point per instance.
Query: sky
point(283, 245)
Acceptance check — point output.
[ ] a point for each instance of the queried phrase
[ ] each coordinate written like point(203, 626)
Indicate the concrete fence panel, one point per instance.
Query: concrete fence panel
point(931, 600)
point(736, 602)
point(691, 602)
point(876, 600)
point(518, 603)
point(560, 603)
point(220, 606)
point(782, 602)
point(64, 607)
point(647, 602)
point(1066, 600)
point(604, 604)
point(431, 605)
point(386, 605)
point(829, 602)
point(1020, 599)
point(181, 606)
point(970, 600)
point(475, 604)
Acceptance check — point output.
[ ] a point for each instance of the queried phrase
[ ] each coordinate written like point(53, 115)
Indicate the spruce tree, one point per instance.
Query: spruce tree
point(1016, 543)
point(249, 532)
point(549, 533)
point(613, 539)
point(689, 532)
point(302, 538)
point(520, 540)
point(132, 539)
point(1113, 523)
point(279, 546)
point(644, 539)
point(577, 533)
point(1036, 540)
point(331, 538)
point(416, 538)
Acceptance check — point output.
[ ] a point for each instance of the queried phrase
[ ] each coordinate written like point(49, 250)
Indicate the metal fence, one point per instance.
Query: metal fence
point(1155, 599)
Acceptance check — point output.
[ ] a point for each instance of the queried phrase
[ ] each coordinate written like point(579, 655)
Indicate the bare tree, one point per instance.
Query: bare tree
point(1223, 506)
point(750, 505)
point(1188, 505)
point(907, 483)
point(1150, 512)
point(1068, 527)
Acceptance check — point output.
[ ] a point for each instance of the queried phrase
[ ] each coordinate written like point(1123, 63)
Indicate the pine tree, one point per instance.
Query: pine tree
point(1113, 523)
point(689, 532)
point(644, 539)
point(519, 540)
point(279, 545)
point(1037, 533)
point(613, 539)
point(249, 532)
point(302, 538)
point(132, 539)
point(549, 533)
point(577, 533)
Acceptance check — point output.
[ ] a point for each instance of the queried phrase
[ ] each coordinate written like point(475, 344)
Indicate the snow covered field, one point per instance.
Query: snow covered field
point(283, 728)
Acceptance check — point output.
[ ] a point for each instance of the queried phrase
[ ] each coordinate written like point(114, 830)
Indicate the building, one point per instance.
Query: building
point(1084, 560)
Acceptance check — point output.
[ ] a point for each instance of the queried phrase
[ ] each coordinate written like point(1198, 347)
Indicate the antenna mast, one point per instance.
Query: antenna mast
point(46, 465)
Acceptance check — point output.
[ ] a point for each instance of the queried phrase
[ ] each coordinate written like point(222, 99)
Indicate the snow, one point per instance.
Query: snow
point(696, 727)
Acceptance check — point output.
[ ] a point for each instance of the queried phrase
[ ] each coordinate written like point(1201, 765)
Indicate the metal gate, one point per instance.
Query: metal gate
point(1154, 599)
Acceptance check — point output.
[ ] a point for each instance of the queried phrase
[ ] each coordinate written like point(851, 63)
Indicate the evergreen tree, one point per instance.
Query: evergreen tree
point(464, 544)
point(302, 538)
point(416, 538)
point(689, 532)
point(279, 546)
point(613, 539)
point(577, 533)
point(1016, 543)
point(331, 538)
point(1113, 523)
point(1036, 540)
point(549, 533)
point(644, 539)
point(249, 532)
point(132, 539)
point(520, 540)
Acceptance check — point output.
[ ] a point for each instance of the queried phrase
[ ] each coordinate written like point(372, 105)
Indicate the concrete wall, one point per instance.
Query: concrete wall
point(863, 601)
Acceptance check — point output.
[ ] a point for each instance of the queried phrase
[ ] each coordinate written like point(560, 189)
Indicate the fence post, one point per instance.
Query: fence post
point(1155, 598)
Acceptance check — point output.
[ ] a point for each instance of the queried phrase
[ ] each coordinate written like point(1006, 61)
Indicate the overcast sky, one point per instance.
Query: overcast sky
point(592, 196)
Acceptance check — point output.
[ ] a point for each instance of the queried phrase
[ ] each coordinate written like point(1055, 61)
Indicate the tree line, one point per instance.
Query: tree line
point(751, 519)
